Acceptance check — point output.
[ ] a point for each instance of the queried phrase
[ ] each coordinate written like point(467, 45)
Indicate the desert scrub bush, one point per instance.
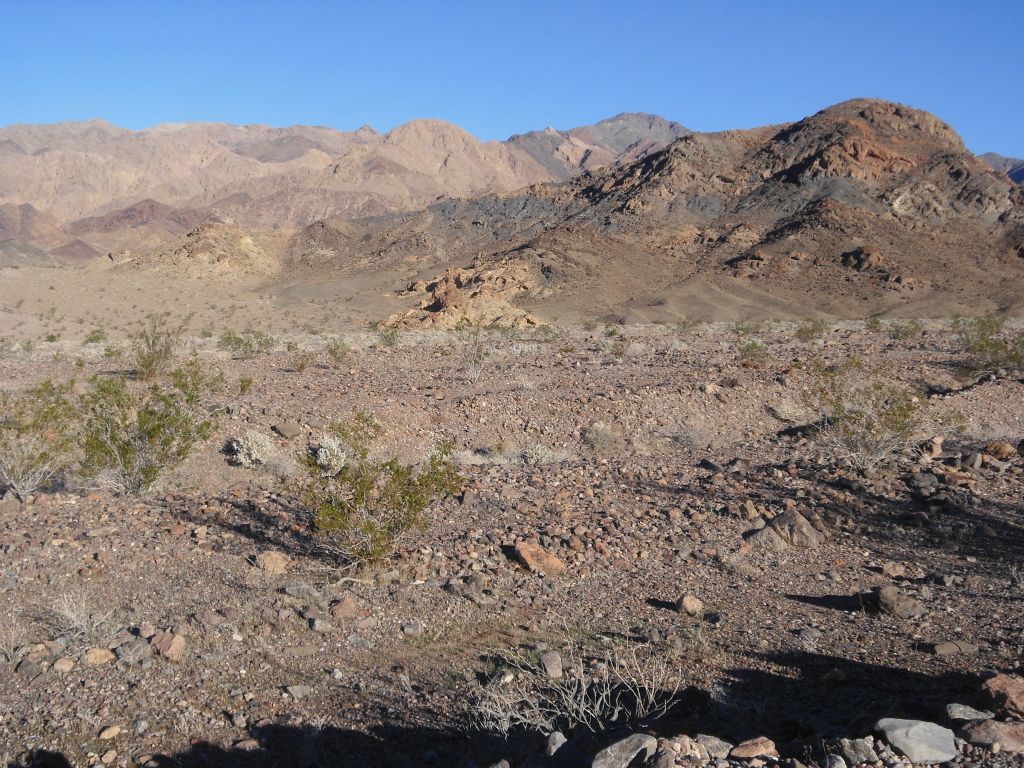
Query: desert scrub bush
point(477, 347)
point(301, 359)
point(37, 430)
point(244, 385)
point(250, 450)
point(362, 510)
point(905, 330)
point(330, 456)
point(754, 354)
point(873, 324)
point(866, 417)
point(686, 326)
point(72, 619)
point(247, 344)
point(389, 335)
point(986, 344)
point(536, 454)
point(336, 350)
point(810, 330)
point(130, 435)
point(96, 336)
point(155, 349)
point(745, 328)
point(630, 686)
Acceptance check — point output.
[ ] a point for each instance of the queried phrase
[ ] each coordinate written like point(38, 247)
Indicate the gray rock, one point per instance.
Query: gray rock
point(857, 751)
point(891, 600)
point(963, 712)
point(555, 742)
point(551, 663)
point(715, 746)
point(302, 591)
point(288, 429)
point(767, 539)
point(622, 753)
point(833, 761)
point(919, 741)
point(796, 530)
point(134, 651)
point(299, 691)
point(954, 648)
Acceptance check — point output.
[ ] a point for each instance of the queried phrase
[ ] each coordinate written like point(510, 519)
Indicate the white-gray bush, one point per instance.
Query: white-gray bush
point(330, 455)
point(251, 450)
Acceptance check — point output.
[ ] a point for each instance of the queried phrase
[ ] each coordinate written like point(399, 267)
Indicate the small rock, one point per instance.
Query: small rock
point(63, 665)
point(623, 753)
point(110, 732)
point(716, 747)
point(758, 747)
point(858, 751)
point(963, 712)
point(96, 657)
point(551, 663)
point(537, 559)
point(954, 647)
point(796, 530)
point(299, 691)
point(1006, 692)
point(919, 741)
point(169, 645)
point(345, 608)
point(891, 600)
point(288, 429)
point(555, 742)
point(691, 605)
point(833, 761)
point(272, 563)
point(989, 733)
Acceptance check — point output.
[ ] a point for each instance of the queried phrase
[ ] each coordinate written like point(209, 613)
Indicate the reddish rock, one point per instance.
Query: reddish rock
point(536, 559)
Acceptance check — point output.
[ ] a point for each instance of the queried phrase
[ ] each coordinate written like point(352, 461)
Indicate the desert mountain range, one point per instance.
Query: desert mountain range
point(865, 207)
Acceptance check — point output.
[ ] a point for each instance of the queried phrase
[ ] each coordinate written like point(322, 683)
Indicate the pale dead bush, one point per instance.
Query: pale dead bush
point(629, 686)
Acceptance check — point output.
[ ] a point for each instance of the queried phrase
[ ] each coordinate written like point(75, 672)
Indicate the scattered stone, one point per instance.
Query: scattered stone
point(551, 663)
point(96, 657)
point(412, 628)
point(963, 712)
point(554, 743)
point(134, 651)
point(833, 761)
point(169, 645)
point(716, 747)
point(288, 429)
point(919, 741)
point(302, 591)
point(64, 665)
point(272, 563)
point(858, 751)
point(538, 560)
point(345, 608)
point(300, 651)
point(298, 691)
point(1006, 692)
point(955, 647)
point(766, 538)
point(110, 732)
point(691, 605)
point(996, 735)
point(796, 530)
point(891, 600)
point(622, 754)
point(758, 747)
point(1000, 450)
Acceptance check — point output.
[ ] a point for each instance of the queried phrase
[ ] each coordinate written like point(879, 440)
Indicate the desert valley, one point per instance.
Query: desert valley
point(625, 445)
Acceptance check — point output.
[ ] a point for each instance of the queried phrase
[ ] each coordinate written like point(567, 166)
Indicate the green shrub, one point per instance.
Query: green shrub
point(986, 344)
point(686, 326)
point(866, 418)
point(906, 330)
point(363, 508)
point(36, 436)
point(247, 344)
point(96, 336)
point(746, 328)
point(389, 335)
point(337, 350)
point(244, 385)
point(130, 435)
point(155, 349)
point(809, 330)
point(754, 354)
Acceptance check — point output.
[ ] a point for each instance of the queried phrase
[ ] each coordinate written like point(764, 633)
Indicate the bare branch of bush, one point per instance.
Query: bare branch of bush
point(630, 686)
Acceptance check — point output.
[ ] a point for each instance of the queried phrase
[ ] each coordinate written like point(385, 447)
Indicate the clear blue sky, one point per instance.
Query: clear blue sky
point(497, 67)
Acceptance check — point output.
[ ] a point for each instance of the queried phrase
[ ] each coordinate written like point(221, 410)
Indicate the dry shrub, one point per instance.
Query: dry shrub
point(36, 436)
point(630, 686)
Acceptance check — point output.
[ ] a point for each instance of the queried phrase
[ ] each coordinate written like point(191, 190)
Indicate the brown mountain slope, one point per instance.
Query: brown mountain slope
point(866, 207)
point(154, 184)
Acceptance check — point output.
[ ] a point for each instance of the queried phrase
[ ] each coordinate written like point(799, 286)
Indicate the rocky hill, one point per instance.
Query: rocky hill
point(1011, 166)
point(114, 188)
point(862, 208)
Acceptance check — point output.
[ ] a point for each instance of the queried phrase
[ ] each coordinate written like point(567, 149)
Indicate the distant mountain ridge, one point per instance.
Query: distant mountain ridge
point(1011, 166)
point(116, 188)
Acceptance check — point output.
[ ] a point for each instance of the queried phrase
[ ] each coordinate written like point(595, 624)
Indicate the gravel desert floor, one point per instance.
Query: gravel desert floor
point(654, 493)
